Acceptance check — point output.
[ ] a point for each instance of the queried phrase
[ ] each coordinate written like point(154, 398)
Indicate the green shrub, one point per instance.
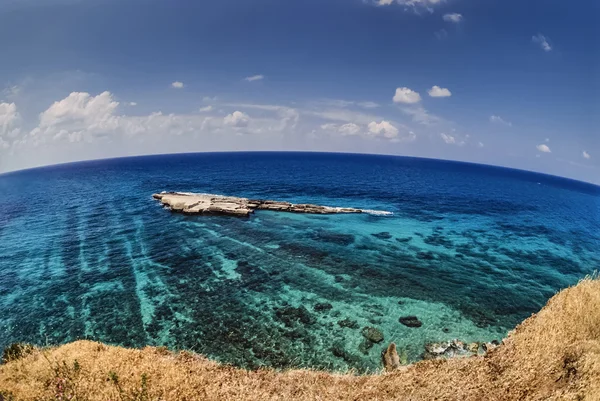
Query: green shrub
point(16, 351)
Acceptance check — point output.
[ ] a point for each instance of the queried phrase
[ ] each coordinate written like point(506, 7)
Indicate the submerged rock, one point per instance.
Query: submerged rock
point(290, 315)
point(323, 307)
point(372, 334)
point(390, 358)
point(349, 323)
point(411, 321)
point(339, 351)
point(382, 235)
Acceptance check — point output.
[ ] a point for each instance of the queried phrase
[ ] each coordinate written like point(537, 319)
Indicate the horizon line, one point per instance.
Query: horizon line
point(9, 172)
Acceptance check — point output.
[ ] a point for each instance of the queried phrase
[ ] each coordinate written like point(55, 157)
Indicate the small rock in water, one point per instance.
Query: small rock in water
point(382, 235)
point(446, 330)
point(372, 334)
point(351, 324)
point(411, 321)
point(322, 307)
point(405, 239)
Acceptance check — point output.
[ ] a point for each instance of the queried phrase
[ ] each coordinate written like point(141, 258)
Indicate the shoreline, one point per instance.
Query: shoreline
point(554, 354)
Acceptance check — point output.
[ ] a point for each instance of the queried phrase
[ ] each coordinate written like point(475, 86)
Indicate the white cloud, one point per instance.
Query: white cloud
point(453, 17)
point(436, 91)
point(449, 139)
point(411, 4)
point(133, 103)
point(254, 78)
point(349, 129)
point(586, 155)
point(205, 109)
point(237, 119)
point(500, 120)
point(421, 115)
point(406, 95)
point(77, 117)
point(542, 41)
point(543, 148)
point(177, 85)
point(9, 119)
point(480, 145)
point(384, 128)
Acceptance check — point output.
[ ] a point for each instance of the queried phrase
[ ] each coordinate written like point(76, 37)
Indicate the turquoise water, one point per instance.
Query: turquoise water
point(85, 252)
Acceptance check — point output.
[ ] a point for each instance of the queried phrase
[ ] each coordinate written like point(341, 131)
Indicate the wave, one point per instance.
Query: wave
point(378, 212)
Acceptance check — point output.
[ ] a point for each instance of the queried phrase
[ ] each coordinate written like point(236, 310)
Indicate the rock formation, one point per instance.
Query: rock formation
point(390, 358)
point(191, 203)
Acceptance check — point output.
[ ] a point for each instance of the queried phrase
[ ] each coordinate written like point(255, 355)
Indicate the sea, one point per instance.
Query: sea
point(469, 250)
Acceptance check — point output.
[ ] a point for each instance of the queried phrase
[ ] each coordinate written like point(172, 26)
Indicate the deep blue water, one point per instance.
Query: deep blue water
point(471, 250)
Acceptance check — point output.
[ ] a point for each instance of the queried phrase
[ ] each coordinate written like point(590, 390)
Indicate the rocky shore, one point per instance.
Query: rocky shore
point(191, 203)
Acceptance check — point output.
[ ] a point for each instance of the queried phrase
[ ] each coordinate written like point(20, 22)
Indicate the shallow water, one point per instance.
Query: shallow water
point(85, 252)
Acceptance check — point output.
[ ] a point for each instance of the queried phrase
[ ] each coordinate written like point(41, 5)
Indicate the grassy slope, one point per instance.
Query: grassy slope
point(554, 355)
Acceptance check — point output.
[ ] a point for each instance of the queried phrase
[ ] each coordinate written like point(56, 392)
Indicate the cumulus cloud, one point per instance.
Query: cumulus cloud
point(436, 91)
point(586, 155)
point(383, 128)
point(205, 109)
point(500, 120)
point(237, 119)
point(177, 85)
point(542, 41)
point(254, 78)
point(543, 148)
point(453, 17)
point(349, 129)
point(406, 95)
point(133, 103)
point(9, 120)
point(449, 139)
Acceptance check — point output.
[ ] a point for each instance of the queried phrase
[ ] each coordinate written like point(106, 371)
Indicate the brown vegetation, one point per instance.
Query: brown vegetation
point(554, 355)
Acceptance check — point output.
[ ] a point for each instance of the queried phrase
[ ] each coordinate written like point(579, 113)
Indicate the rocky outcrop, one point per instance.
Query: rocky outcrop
point(390, 358)
point(191, 203)
point(457, 348)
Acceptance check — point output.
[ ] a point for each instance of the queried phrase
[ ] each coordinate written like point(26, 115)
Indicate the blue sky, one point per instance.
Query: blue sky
point(511, 83)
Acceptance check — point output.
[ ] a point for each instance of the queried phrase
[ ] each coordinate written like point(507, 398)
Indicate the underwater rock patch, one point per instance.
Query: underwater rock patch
point(323, 307)
point(290, 315)
point(382, 235)
point(372, 334)
point(410, 321)
point(349, 323)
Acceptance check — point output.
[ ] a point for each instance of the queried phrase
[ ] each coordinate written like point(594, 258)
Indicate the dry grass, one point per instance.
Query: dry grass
point(554, 355)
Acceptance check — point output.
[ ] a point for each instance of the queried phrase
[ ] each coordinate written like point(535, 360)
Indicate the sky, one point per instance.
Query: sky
point(505, 82)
